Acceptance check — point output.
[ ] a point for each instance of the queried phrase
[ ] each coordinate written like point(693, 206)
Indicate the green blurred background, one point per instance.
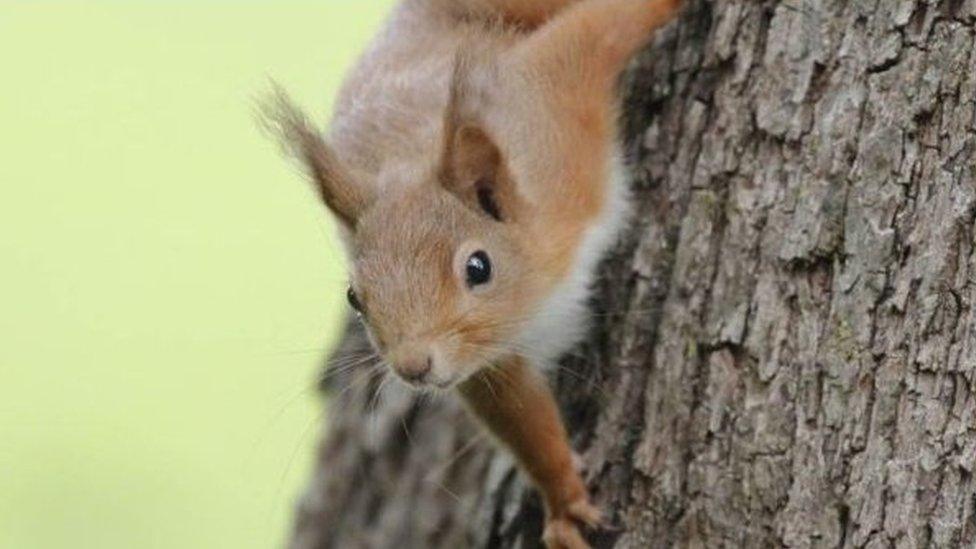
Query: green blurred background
point(168, 286)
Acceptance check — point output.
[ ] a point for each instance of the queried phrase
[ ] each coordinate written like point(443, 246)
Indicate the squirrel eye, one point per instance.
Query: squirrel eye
point(354, 300)
point(478, 269)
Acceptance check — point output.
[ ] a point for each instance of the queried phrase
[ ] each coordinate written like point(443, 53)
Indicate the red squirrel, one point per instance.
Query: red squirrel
point(472, 164)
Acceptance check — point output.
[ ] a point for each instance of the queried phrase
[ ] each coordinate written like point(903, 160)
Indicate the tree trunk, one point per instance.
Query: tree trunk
point(784, 351)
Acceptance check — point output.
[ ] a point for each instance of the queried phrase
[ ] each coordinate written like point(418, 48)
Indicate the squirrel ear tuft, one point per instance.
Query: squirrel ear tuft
point(346, 197)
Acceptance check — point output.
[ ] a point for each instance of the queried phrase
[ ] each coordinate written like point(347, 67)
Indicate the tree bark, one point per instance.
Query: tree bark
point(784, 345)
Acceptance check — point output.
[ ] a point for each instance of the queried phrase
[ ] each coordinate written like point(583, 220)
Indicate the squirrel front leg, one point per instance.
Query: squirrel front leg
point(516, 405)
point(587, 45)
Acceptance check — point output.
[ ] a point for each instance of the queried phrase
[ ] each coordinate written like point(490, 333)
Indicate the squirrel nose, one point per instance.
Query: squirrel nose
point(415, 370)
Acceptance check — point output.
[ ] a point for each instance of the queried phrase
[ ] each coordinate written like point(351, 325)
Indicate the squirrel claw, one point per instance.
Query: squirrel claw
point(578, 464)
point(585, 512)
point(562, 531)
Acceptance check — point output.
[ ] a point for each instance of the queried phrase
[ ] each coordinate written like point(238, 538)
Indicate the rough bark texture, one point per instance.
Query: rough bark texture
point(784, 349)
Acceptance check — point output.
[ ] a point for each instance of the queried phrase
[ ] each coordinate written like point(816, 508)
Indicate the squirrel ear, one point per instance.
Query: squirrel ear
point(475, 172)
point(473, 168)
point(346, 197)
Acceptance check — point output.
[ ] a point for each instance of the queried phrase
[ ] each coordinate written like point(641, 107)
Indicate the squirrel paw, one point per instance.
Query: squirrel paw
point(562, 530)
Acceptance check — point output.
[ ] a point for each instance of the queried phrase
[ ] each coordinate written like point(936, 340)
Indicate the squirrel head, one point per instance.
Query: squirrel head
point(441, 267)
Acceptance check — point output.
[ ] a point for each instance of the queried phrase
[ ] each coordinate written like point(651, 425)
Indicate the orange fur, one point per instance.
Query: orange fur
point(482, 125)
point(518, 408)
point(529, 13)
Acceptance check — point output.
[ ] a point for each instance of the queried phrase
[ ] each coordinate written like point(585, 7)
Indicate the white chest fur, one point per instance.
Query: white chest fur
point(563, 318)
